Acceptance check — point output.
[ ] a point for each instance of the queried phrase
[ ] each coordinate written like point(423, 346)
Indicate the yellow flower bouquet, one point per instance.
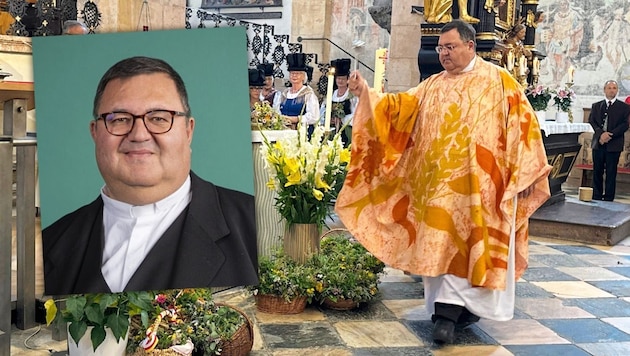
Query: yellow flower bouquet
point(307, 174)
point(265, 117)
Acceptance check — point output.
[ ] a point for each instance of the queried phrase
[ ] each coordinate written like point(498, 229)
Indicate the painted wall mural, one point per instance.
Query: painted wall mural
point(593, 36)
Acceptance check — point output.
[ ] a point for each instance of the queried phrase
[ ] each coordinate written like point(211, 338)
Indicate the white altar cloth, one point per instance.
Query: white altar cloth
point(553, 128)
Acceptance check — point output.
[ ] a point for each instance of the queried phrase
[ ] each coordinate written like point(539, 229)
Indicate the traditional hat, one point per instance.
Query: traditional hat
point(296, 62)
point(256, 77)
point(267, 68)
point(342, 66)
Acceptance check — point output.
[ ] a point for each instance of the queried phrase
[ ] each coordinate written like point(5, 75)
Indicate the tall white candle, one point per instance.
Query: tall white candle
point(329, 93)
point(571, 71)
point(535, 66)
point(522, 65)
point(510, 61)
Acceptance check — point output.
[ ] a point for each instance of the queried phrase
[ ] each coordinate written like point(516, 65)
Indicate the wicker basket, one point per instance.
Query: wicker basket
point(240, 344)
point(277, 305)
point(242, 341)
point(341, 304)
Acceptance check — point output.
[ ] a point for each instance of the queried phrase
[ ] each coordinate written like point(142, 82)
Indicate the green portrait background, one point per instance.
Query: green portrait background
point(66, 69)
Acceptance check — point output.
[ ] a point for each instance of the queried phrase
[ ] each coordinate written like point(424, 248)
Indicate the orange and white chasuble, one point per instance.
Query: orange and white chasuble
point(434, 171)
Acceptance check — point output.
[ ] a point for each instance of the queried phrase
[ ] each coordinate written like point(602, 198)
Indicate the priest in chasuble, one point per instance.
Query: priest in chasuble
point(443, 179)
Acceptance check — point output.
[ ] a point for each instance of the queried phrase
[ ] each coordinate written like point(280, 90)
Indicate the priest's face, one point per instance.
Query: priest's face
point(141, 167)
point(455, 54)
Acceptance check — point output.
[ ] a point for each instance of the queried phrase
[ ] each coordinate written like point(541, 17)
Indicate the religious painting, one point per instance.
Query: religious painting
point(213, 4)
point(506, 15)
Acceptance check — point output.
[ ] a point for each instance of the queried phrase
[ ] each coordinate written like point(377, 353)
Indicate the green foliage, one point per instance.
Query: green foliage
point(345, 270)
point(99, 311)
point(198, 319)
point(281, 276)
point(538, 97)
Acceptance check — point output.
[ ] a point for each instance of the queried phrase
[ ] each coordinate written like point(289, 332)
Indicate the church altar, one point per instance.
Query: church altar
point(562, 146)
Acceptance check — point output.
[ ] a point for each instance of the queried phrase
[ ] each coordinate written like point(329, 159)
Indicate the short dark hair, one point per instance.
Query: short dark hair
point(131, 67)
point(465, 30)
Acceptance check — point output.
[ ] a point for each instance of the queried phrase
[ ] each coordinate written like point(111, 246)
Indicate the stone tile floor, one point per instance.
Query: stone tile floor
point(573, 300)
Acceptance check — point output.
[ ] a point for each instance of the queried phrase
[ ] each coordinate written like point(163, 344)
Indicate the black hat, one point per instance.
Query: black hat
point(256, 77)
point(342, 66)
point(296, 62)
point(309, 73)
point(267, 68)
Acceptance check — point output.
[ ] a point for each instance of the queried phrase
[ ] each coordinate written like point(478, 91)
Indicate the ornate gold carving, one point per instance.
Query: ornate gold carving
point(427, 31)
point(529, 19)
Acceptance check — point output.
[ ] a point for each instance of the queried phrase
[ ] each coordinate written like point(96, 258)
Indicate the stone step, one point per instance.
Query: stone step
point(595, 222)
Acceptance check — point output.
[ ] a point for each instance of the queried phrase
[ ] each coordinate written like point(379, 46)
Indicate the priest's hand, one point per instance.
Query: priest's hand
point(356, 83)
point(605, 137)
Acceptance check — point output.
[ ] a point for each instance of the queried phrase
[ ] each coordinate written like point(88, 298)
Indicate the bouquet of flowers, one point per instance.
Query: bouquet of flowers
point(306, 174)
point(264, 117)
point(564, 98)
point(538, 96)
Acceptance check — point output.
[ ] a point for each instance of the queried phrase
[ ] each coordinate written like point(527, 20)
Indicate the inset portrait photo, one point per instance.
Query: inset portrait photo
point(146, 173)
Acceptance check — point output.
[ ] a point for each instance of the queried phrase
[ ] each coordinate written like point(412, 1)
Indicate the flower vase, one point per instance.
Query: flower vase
point(541, 115)
point(301, 241)
point(109, 346)
point(562, 117)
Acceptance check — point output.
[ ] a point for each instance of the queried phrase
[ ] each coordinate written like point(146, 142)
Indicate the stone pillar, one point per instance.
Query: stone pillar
point(402, 68)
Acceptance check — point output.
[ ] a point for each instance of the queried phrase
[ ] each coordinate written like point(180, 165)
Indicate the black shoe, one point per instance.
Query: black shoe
point(444, 331)
point(466, 318)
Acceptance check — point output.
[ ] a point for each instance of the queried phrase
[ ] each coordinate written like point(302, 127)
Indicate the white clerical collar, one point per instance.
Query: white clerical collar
point(122, 209)
point(470, 65)
point(607, 100)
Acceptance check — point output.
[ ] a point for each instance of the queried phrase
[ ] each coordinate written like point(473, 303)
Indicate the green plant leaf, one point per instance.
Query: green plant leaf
point(77, 330)
point(119, 325)
point(94, 314)
point(97, 336)
point(75, 306)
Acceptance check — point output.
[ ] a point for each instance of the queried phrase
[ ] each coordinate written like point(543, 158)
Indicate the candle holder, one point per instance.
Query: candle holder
point(535, 79)
point(522, 79)
point(569, 84)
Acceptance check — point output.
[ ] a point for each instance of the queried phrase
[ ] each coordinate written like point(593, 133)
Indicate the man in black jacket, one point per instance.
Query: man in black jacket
point(155, 225)
point(609, 118)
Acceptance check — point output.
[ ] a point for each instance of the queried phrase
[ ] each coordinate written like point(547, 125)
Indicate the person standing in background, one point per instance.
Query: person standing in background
point(609, 119)
point(298, 103)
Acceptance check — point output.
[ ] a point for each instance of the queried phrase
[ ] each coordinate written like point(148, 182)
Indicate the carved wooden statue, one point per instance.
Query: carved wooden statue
point(440, 11)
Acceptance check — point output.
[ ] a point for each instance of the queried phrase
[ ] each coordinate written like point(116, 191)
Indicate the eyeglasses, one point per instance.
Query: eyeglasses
point(156, 121)
point(448, 48)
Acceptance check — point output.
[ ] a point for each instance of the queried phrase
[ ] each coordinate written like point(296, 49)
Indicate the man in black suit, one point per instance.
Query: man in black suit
point(155, 225)
point(609, 118)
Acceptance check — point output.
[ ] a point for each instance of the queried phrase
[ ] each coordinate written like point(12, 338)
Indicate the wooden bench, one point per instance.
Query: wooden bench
point(589, 167)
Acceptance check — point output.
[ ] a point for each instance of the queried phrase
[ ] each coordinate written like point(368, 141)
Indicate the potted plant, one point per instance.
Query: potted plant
point(539, 97)
point(284, 286)
point(189, 322)
point(100, 314)
point(563, 99)
point(304, 172)
point(346, 273)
